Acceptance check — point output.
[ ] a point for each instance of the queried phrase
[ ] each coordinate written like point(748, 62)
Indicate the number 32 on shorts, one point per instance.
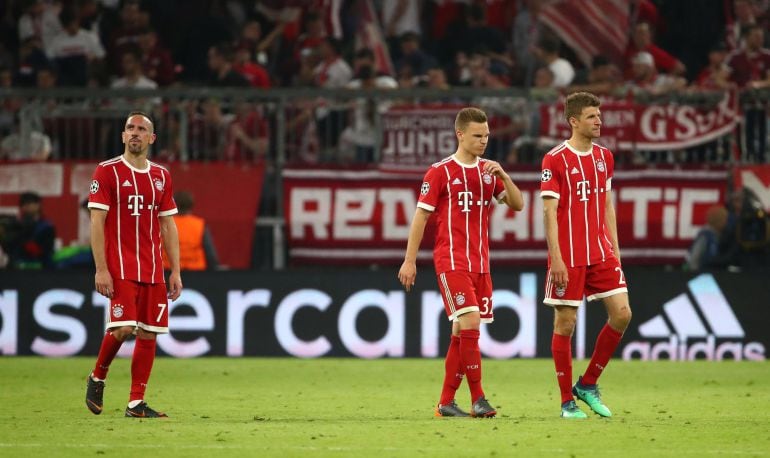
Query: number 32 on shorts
point(484, 307)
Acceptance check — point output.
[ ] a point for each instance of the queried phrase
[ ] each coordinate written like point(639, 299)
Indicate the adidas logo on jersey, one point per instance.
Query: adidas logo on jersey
point(126, 184)
point(574, 171)
point(687, 336)
point(457, 181)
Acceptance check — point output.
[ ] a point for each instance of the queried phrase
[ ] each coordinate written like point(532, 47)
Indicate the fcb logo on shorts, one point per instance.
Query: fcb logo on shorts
point(158, 184)
point(560, 290)
point(487, 178)
point(460, 298)
point(600, 165)
point(117, 310)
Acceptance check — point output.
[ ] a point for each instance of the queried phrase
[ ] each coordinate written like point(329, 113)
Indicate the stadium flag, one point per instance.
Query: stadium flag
point(369, 35)
point(590, 28)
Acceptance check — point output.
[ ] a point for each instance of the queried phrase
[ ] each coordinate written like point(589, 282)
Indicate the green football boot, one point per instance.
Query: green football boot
point(570, 410)
point(590, 395)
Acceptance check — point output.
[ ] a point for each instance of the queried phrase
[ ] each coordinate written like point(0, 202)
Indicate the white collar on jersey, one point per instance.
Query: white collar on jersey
point(579, 153)
point(144, 170)
point(467, 166)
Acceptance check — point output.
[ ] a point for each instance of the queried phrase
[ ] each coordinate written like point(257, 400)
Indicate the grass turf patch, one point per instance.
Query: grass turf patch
point(352, 407)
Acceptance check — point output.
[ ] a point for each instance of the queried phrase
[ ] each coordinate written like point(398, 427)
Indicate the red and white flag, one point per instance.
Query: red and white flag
point(369, 35)
point(591, 27)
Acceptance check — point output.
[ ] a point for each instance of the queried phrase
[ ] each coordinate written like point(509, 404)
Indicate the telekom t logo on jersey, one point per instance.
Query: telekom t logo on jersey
point(464, 198)
point(135, 203)
point(582, 190)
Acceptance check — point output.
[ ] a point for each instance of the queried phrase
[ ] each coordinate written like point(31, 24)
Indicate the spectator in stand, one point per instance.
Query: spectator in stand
point(308, 42)
point(359, 138)
point(157, 63)
point(254, 73)
point(133, 78)
point(30, 242)
point(641, 40)
point(132, 22)
point(646, 80)
point(32, 146)
point(31, 59)
point(46, 78)
point(750, 65)
point(40, 20)
point(602, 78)
point(750, 69)
point(75, 51)
point(526, 33)
point(716, 75)
point(481, 37)
point(414, 57)
point(400, 17)
point(547, 52)
point(332, 72)
point(247, 135)
point(708, 249)
point(6, 77)
point(258, 46)
point(196, 247)
point(208, 132)
point(744, 16)
point(221, 66)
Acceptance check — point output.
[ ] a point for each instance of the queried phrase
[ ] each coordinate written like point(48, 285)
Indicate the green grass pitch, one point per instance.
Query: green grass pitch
point(357, 408)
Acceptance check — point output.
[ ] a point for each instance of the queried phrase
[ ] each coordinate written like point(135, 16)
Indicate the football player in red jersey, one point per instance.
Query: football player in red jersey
point(460, 191)
point(583, 250)
point(131, 203)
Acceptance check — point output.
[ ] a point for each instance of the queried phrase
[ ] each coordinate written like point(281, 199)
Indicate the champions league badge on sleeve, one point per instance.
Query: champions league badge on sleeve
point(94, 187)
point(546, 176)
point(424, 188)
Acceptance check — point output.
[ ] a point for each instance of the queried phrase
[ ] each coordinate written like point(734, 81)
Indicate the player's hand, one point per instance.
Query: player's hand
point(103, 283)
point(559, 275)
point(174, 286)
point(406, 274)
point(494, 168)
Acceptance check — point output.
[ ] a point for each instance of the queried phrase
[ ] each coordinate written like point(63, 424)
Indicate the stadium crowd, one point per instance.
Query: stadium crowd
point(436, 44)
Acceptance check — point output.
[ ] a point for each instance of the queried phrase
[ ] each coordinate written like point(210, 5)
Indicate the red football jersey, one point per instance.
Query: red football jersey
point(460, 196)
point(133, 199)
point(580, 180)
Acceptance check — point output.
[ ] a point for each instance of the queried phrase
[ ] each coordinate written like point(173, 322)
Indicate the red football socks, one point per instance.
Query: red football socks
point(561, 349)
point(107, 352)
point(471, 361)
point(606, 344)
point(141, 366)
point(453, 372)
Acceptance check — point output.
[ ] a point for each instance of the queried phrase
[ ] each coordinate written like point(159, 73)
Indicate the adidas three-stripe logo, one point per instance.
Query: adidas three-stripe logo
point(684, 319)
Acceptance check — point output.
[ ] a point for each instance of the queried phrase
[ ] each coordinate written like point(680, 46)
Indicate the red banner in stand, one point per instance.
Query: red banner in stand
point(226, 196)
point(628, 126)
point(362, 217)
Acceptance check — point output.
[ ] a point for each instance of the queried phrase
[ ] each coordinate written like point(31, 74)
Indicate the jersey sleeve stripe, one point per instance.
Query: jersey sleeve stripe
point(549, 194)
point(174, 211)
point(98, 206)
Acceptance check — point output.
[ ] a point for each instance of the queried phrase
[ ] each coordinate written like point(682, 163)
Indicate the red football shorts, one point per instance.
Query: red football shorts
point(143, 305)
point(465, 292)
point(595, 282)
